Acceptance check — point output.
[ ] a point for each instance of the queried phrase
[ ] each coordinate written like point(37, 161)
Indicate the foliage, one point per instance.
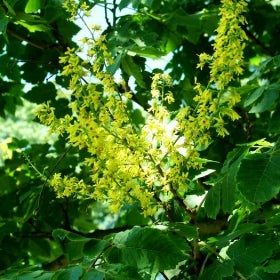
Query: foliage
point(147, 173)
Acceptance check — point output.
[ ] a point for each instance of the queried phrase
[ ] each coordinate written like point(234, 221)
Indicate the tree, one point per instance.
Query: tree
point(145, 173)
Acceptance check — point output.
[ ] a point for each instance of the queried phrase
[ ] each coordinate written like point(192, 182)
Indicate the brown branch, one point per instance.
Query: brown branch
point(41, 46)
point(30, 42)
point(106, 14)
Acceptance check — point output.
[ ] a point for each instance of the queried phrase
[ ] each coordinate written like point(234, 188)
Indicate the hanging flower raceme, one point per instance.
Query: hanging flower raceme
point(149, 163)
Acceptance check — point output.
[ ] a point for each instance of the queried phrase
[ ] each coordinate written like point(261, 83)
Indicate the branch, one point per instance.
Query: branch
point(114, 12)
point(30, 42)
point(106, 15)
point(34, 44)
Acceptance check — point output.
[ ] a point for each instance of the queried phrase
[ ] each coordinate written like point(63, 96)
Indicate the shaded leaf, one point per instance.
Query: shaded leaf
point(131, 68)
point(146, 52)
point(254, 96)
point(217, 271)
point(94, 247)
point(4, 20)
point(250, 251)
point(274, 124)
point(69, 273)
point(72, 243)
point(259, 177)
point(113, 272)
point(41, 93)
point(212, 202)
point(267, 101)
point(148, 249)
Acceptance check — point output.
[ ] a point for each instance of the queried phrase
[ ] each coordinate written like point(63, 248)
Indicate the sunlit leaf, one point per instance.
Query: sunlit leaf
point(33, 6)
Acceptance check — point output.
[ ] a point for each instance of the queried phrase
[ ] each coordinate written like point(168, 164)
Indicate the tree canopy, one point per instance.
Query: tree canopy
point(113, 166)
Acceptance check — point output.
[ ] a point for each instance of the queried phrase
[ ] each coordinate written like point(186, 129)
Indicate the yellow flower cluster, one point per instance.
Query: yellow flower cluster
point(227, 60)
point(73, 7)
point(217, 101)
point(150, 163)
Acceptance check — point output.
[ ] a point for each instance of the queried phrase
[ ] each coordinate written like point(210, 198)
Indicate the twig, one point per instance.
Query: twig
point(31, 43)
point(164, 275)
point(47, 179)
point(114, 12)
point(106, 15)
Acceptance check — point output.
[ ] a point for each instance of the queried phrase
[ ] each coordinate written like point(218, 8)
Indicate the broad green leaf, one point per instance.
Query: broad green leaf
point(7, 228)
point(218, 270)
point(69, 273)
point(227, 179)
point(3, 20)
point(113, 272)
point(274, 124)
point(212, 202)
point(123, 4)
point(250, 251)
point(112, 68)
point(190, 23)
point(185, 230)
point(241, 230)
point(40, 248)
point(259, 274)
point(258, 178)
point(254, 96)
point(94, 247)
point(146, 51)
point(27, 275)
point(72, 243)
point(266, 102)
point(41, 93)
point(131, 68)
point(209, 20)
point(148, 249)
point(33, 6)
point(34, 27)
point(273, 266)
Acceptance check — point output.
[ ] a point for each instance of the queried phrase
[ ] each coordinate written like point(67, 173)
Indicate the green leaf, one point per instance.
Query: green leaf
point(34, 27)
point(69, 273)
point(269, 98)
point(115, 272)
point(112, 68)
point(258, 178)
point(250, 251)
point(274, 124)
point(123, 4)
point(273, 266)
point(148, 249)
point(183, 229)
point(72, 243)
point(27, 275)
point(94, 247)
point(131, 68)
point(41, 93)
point(241, 230)
point(227, 180)
point(254, 96)
point(212, 202)
point(147, 52)
point(4, 20)
point(218, 270)
point(33, 6)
